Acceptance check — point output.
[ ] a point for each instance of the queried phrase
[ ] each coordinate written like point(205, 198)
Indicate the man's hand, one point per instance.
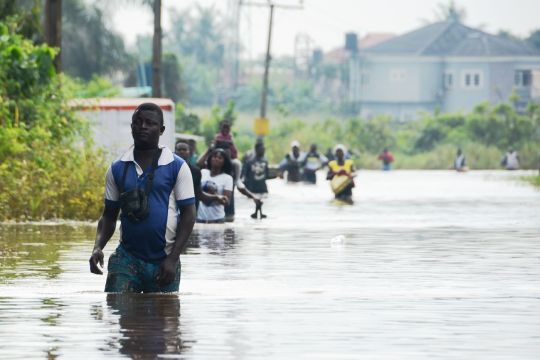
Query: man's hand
point(96, 262)
point(222, 199)
point(257, 201)
point(167, 271)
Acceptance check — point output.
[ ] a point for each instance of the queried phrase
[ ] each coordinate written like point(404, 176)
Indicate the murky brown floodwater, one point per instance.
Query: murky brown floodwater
point(425, 265)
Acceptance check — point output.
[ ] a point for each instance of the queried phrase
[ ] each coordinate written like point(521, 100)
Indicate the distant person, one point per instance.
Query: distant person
point(329, 154)
point(255, 171)
point(225, 135)
point(217, 182)
point(292, 163)
point(183, 150)
point(313, 161)
point(235, 172)
point(341, 174)
point(250, 154)
point(387, 159)
point(460, 163)
point(238, 184)
point(193, 150)
point(154, 189)
point(510, 160)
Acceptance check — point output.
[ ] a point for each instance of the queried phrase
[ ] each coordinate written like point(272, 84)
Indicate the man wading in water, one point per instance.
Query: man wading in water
point(149, 184)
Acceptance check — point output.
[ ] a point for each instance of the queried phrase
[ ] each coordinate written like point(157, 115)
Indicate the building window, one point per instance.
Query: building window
point(472, 79)
point(523, 78)
point(476, 81)
point(448, 80)
point(397, 75)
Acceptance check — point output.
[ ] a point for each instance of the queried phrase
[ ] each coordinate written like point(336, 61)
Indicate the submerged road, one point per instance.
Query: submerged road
point(425, 265)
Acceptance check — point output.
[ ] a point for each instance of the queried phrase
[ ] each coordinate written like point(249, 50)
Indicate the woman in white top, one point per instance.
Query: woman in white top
point(217, 184)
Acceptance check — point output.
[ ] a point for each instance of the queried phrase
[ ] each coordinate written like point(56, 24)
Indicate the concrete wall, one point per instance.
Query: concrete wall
point(111, 126)
point(399, 87)
point(460, 97)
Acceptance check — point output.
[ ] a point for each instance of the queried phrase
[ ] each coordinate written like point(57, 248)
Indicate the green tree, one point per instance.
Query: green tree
point(500, 126)
point(24, 16)
point(508, 35)
point(197, 39)
point(38, 133)
point(186, 122)
point(89, 48)
point(173, 82)
point(198, 33)
point(450, 12)
point(534, 39)
point(371, 135)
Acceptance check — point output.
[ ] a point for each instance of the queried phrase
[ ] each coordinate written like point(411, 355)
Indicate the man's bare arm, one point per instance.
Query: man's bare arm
point(105, 230)
point(167, 271)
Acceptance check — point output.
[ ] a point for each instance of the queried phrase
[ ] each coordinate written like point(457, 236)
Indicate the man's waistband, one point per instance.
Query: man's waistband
point(218, 221)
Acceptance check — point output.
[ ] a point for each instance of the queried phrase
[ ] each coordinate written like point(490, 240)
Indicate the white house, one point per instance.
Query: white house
point(444, 66)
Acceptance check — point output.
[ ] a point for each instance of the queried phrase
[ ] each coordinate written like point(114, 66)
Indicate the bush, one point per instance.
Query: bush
point(186, 122)
point(484, 135)
point(48, 168)
point(534, 180)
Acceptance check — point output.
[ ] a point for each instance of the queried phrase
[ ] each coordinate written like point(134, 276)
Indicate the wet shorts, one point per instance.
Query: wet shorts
point(127, 273)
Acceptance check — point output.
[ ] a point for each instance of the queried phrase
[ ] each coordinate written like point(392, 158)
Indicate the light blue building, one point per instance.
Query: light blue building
point(444, 66)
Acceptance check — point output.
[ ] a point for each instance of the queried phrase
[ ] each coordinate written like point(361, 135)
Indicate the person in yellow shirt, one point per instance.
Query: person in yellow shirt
point(341, 173)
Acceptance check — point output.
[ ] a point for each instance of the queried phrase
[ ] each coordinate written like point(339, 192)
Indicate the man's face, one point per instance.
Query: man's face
point(146, 128)
point(259, 151)
point(182, 150)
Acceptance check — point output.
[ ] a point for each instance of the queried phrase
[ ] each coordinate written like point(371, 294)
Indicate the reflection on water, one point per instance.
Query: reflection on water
point(149, 324)
point(34, 250)
point(425, 265)
point(216, 238)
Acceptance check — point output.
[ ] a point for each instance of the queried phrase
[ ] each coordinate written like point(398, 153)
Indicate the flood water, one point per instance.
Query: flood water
point(425, 265)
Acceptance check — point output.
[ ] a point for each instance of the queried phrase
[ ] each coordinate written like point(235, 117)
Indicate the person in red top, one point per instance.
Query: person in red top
point(225, 136)
point(387, 159)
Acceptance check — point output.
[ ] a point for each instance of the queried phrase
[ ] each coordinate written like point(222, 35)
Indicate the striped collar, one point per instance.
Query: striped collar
point(166, 157)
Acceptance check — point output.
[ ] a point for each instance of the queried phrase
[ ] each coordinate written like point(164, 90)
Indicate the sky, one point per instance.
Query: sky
point(325, 22)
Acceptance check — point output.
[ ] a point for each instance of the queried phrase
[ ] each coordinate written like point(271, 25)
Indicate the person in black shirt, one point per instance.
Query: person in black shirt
point(313, 161)
point(183, 150)
point(255, 171)
point(292, 163)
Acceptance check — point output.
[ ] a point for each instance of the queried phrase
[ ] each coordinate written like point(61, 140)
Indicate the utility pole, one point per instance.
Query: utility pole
point(232, 48)
point(156, 51)
point(264, 92)
point(236, 73)
point(261, 124)
point(53, 29)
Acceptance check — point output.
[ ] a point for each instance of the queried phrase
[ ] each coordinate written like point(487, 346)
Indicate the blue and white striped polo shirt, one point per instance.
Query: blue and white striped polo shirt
point(153, 238)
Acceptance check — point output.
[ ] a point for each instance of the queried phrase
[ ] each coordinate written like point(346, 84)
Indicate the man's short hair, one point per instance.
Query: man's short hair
point(148, 107)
